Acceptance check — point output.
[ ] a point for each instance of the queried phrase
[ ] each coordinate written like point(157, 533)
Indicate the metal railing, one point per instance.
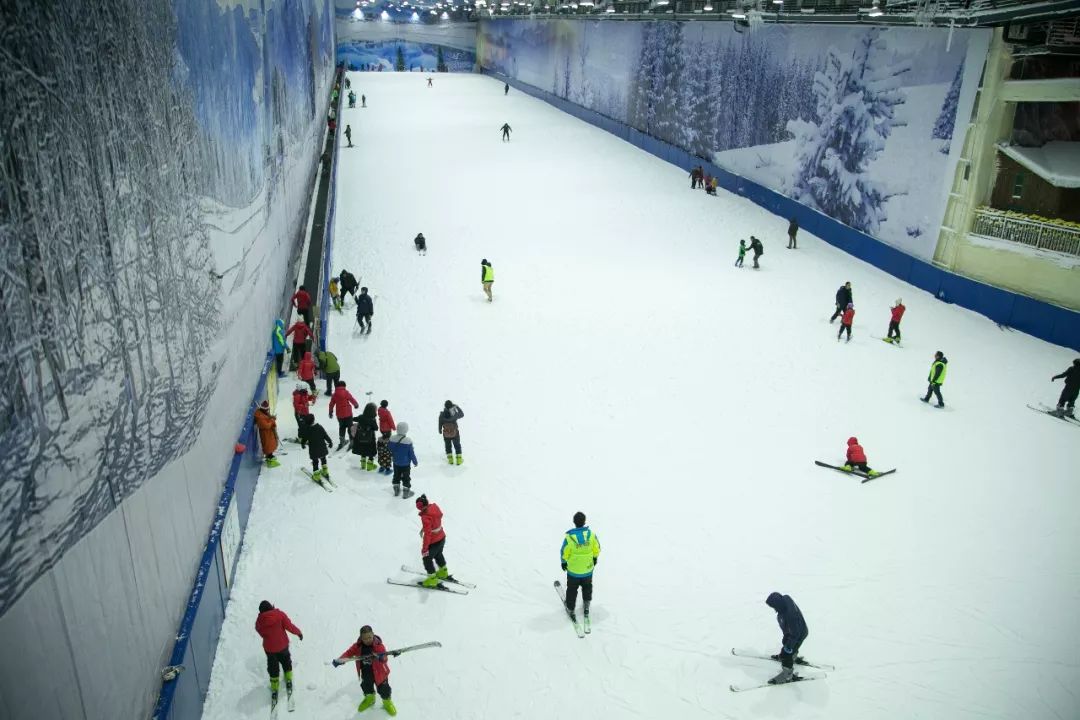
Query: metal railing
point(1002, 225)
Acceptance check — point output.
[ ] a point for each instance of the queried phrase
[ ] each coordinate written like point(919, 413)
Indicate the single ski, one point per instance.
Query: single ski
point(290, 703)
point(858, 473)
point(868, 478)
point(799, 660)
point(796, 679)
point(420, 585)
point(273, 708)
point(562, 598)
point(366, 659)
point(451, 579)
point(588, 625)
point(318, 481)
point(1052, 412)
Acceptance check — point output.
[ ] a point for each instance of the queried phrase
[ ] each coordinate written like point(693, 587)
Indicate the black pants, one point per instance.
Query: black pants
point(860, 466)
point(844, 327)
point(791, 241)
point(756, 256)
point(572, 585)
point(455, 442)
point(435, 556)
point(894, 330)
point(315, 461)
point(348, 291)
point(298, 350)
point(367, 683)
point(506, 136)
point(279, 359)
point(1068, 396)
point(330, 379)
point(275, 662)
point(401, 475)
point(343, 425)
point(361, 319)
point(934, 389)
point(787, 659)
point(838, 313)
point(421, 245)
point(738, 261)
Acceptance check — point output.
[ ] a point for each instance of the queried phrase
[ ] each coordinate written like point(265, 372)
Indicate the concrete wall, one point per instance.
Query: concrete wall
point(1050, 276)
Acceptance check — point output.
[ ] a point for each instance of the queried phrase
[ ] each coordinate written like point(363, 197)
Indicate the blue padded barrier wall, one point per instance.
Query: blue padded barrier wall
point(1040, 319)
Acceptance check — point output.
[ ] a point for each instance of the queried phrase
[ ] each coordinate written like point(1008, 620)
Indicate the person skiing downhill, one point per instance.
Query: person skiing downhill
point(341, 404)
point(401, 448)
point(936, 378)
point(370, 653)
point(272, 625)
point(348, 128)
point(742, 253)
point(856, 458)
point(363, 101)
point(318, 443)
point(1067, 400)
point(579, 554)
point(363, 442)
point(487, 277)
point(843, 299)
point(794, 630)
point(433, 539)
point(505, 132)
point(846, 319)
point(421, 243)
point(268, 436)
point(506, 89)
point(450, 432)
point(897, 313)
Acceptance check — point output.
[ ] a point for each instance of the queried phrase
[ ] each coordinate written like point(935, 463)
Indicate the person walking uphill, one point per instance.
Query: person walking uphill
point(843, 299)
point(272, 625)
point(433, 540)
point(341, 404)
point(301, 300)
point(364, 443)
point(372, 668)
point(306, 371)
point(450, 432)
point(302, 334)
point(268, 436)
point(794, 630)
point(487, 277)
point(331, 371)
point(1066, 404)
point(936, 378)
point(280, 346)
point(365, 308)
point(401, 448)
point(579, 554)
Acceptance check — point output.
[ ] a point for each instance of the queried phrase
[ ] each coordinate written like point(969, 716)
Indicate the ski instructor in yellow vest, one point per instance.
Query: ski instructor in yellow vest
point(487, 277)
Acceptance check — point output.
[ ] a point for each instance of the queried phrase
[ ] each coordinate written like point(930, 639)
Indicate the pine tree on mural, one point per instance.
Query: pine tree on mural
point(440, 61)
point(399, 65)
point(667, 79)
point(641, 112)
point(857, 96)
point(694, 123)
point(943, 128)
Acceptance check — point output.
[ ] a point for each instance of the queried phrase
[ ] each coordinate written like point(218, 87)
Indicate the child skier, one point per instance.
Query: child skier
point(742, 253)
point(301, 403)
point(341, 404)
point(845, 322)
point(335, 292)
point(303, 335)
point(371, 667)
point(856, 458)
point(318, 443)
point(386, 420)
point(433, 539)
point(894, 323)
point(450, 432)
point(363, 442)
point(278, 340)
point(794, 630)
point(385, 457)
point(401, 447)
point(268, 436)
point(272, 625)
point(306, 371)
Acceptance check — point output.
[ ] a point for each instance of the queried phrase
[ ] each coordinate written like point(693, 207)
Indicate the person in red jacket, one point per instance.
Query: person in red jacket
point(369, 653)
point(856, 458)
point(306, 371)
point(341, 404)
point(300, 342)
point(272, 624)
point(301, 300)
point(386, 420)
point(845, 322)
point(301, 402)
point(894, 324)
point(433, 539)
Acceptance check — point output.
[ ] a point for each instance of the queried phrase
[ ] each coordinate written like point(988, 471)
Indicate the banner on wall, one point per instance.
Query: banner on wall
point(857, 123)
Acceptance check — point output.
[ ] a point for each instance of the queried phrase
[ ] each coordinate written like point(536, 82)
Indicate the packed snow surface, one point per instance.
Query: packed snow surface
point(628, 370)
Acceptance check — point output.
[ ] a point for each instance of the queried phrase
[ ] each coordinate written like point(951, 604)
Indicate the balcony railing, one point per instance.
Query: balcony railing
point(1038, 233)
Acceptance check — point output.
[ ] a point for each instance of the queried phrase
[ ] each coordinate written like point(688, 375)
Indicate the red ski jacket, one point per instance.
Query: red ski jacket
point(302, 331)
point(272, 625)
point(301, 402)
point(897, 313)
point(306, 370)
point(380, 668)
point(340, 402)
point(432, 532)
point(855, 453)
point(301, 300)
point(386, 420)
point(848, 316)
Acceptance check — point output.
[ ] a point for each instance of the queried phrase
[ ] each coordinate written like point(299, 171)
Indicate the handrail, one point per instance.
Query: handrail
point(1037, 233)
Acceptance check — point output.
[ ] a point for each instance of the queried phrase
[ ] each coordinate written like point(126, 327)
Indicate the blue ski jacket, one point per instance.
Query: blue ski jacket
point(790, 619)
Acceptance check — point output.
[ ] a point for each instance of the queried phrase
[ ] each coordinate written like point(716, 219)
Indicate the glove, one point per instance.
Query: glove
point(563, 564)
point(380, 656)
point(301, 636)
point(595, 561)
point(337, 662)
point(395, 653)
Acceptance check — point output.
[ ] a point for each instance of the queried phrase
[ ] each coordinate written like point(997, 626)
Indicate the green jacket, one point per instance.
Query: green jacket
point(328, 362)
point(937, 371)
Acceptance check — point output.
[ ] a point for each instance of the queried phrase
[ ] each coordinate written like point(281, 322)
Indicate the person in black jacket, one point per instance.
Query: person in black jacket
point(313, 436)
point(757, 248)
point(792, 231)
point(365, 308)
point(1067, 402)
point(843, 298)
point(363, 440)
point(792, 625)
point(450, 432)
point(421, 244)
point(348, 284)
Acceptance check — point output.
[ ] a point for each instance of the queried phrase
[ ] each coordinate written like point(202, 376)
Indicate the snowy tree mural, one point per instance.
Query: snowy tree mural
point(943, 128)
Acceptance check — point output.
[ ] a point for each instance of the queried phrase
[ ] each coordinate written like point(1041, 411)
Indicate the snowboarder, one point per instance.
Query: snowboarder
point(1067, 401)
point(335, 293)
point(794, 630)
point(505, 132)
point(363, 441)
point(450, 432)
point(300, 343)
point(894, 323)
point(580, 552)
point(856, 458)
point(386, 420)
point(742, 253)
point(758, 249)
point(306, 371)
point(268, 436)
point(845, 322)
point(341, 404)
point(348, 132)
point(433, 539)
point(278, 340)
point(348, 285)
point(487, 277)
point(365, 308)
point(936, 378)
point(331, 371)
point(313, 435)
point(272, 625)
point(843, 299)
point(301, 300)
point(695, 176)
point(421, 243)
point(301, 403)
point(401, 448)
point(371, 667)
point(363, 101)
point(506, 89)
point(792, 231)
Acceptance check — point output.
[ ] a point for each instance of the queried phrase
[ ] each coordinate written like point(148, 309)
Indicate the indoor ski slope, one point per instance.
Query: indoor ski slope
point(628, 370)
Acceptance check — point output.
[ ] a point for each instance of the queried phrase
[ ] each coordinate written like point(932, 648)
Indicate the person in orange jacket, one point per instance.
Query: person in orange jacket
point(369, 653)
point(268, 436)
point(306, 371)
point(846, 319)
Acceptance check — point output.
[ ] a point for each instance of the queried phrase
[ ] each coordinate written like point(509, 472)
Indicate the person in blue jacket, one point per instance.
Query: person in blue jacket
point(279, 346)
point(791, 622)
point(401, 447)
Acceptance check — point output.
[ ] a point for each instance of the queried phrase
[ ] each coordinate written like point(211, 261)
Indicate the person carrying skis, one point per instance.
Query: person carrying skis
point(579, 554)
point(268, 436)
point(792, 231)
point(433, 539)
point(363, 440)
point(300, 342)
point(306, 371)
point(1067, 401)
point(505, 132)
point(487, 277)
point(856, 458)
point(894, 323)
point(365, 308)
point(341, 404)
point(742, 253)
point(272, 625)
point(843, 299)
point(936, 378)
point(794, 630)
point(331, 371)
point(348, 285)
point(758, 249)
point(369, 653)
point(421, 243)
point(450, 432)
point(401, 448)
point(386, 420)
point(301, 403)
point(846, 319)
point(278, 340)
point(318, 443)
point(301, 300)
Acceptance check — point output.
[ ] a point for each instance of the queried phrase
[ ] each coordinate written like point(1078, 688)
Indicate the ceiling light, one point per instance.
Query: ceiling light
point(708, 7)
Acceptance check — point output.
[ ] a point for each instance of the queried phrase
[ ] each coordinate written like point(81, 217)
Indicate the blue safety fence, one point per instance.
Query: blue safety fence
point(1040, 319)
point(328, 228)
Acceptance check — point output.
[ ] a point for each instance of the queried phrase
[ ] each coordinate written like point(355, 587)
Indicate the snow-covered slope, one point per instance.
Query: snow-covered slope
point(627, 370)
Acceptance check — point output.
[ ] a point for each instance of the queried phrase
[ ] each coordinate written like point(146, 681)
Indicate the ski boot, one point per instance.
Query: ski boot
point(442, 573)
point(272, 462)
point(449, 459)
point(846, 468)
point(407, 493)
point(326, 473)
point(431, 581)
point(785, 675)
point(341, 443)
point(458, 460)
point(388, 706)
point(1069, 413)
point(872, 473)
point(367, 702)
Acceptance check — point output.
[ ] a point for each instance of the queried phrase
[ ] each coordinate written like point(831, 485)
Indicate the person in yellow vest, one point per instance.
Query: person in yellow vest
point(936, 378)
point(335, 293)
point(487, 277)
point(580, 551)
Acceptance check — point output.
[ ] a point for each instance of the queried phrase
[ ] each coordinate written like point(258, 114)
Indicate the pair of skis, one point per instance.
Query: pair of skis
point(443, 586)
point(865, 478)
point(799, 661)
point(324, 482)
point(367, 659)
point(290, 703)
point(1053, 412)
point(582, 628)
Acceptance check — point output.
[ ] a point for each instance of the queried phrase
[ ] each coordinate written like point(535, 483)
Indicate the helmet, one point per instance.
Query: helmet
point(301, 387)
point(899, 301)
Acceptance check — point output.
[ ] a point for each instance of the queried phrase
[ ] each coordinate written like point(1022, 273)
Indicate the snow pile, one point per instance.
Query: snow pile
point(1057, 162)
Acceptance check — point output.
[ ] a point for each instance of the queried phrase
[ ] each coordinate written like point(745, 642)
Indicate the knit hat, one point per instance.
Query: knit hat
point(265, 405)
point(403, 428)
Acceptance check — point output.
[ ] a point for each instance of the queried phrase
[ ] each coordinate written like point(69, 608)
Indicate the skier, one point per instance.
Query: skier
point(365, 308)
point(758, 249)
point(580, 552)
point(268, 436)
point(936, 378)
point(695, 176)
point(433, 539)
point(301, 403)
point(352, 99)
point(272, 625)
point(401, 448)
point(845, 322)
point(371, 667)
point(341, 404)
point(894, 323)
point(347, 84)
point(450, 432)
point(301, 300)
point(792, 231)
point(421, 243)
point(278, 340)
point(386, 420)
point(300, 343)
point(363, 441)
point(429, 82)
point(306, 371)
point(742, 253)
point(505, 132)
point(335, 293)
point(348, 285)
point(506, 89)
point(1067, 401)
point(363, 101)
point(318, 443)
point(843, 299)
point(487, 277)
point(792, 625)
point(348, 130)
point(856, 458)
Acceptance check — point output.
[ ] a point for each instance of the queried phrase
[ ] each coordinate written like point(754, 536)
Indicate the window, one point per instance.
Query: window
point(1018, 186)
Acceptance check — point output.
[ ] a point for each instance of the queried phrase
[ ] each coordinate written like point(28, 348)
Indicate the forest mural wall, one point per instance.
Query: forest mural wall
point(157, 160)
point(855, 122)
